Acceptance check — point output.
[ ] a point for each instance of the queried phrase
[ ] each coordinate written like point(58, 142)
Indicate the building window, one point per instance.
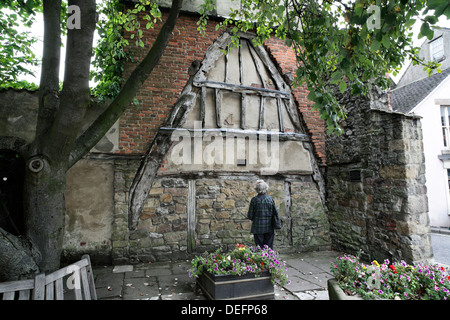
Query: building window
point(448, 178)
point(437, 49)
point(445, 122)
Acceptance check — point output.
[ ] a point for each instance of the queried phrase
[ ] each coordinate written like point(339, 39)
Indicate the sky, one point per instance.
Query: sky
point(443, 22)
point(38, 31)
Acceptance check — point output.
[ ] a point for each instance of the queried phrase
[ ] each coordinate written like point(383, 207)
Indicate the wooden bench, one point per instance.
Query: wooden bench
point(79, 280)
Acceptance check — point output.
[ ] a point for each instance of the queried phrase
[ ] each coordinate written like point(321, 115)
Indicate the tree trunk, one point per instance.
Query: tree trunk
point(17, 258)
point(58, 145)
point(44, 208)
point(60, 119)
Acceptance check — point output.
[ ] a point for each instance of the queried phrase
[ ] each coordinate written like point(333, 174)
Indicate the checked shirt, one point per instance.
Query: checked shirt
point(260, 211)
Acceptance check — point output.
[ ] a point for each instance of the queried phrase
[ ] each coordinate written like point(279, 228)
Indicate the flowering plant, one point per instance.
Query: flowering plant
point(241, 260)
point(391, 280)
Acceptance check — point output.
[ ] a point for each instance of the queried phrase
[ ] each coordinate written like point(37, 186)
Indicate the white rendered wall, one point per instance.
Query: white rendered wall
point(436, 174)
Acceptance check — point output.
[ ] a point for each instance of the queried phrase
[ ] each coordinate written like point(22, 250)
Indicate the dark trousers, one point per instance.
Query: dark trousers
point(265, 238)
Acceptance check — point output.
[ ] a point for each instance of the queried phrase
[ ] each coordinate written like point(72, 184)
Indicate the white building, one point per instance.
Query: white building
point(429, 97)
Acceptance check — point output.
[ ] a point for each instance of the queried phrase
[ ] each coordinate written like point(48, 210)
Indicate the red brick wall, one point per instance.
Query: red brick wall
point(139, 124)
point(287, 62)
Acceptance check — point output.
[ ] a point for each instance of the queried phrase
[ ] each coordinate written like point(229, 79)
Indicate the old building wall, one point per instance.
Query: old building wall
point(196, 206)
point(376, 185)
point(89, 206)
point(140, 123)
point(18, 114)
point(97, 197)
point(187, 214)
point(89, 193)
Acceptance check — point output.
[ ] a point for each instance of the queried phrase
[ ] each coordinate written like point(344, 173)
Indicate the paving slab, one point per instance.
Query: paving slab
point(303, 267)
point(140, 288)
point(299, 284)
point(312, 295)
point(183, 296)
point(135, 274)
point(308, 273)
point(155, 272)
point(176, 283)
point(122, 268)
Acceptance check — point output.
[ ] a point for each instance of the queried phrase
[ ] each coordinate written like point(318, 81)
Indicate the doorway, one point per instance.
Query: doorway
point(12, 170)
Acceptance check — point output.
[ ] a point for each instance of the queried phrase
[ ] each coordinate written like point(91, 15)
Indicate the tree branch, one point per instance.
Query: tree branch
point(75, 92)
point(103, 123)
point(49, 82)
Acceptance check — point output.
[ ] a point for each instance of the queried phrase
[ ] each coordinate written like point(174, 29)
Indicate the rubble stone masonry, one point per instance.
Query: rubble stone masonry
point(376, 185)
point(220, 204)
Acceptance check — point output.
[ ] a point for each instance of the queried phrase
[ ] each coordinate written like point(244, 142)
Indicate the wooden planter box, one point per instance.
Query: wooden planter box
point(336, 293)
point(230, 287)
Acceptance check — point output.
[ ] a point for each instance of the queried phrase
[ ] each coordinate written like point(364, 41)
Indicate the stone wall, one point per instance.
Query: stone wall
point(89, 206)
point(18, 115)
point(376, 185)
point(217, 205)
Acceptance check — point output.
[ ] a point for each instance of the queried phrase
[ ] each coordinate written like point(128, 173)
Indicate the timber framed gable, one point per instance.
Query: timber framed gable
point(243, 112)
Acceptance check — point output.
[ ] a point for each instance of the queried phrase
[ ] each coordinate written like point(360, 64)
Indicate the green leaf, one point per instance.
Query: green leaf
point(440, 10)
point(447, 12)
point(410, 22)
point(288, 42)
point(433, 4)
point(375, 46)
point(426, 31)
point(312, 95)
point(342, 86)
point(431, 19)
point(386, 41)
point(336, 77)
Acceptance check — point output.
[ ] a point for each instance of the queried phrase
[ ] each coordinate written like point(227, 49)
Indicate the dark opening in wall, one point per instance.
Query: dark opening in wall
point(354, 175)
point(12, 169)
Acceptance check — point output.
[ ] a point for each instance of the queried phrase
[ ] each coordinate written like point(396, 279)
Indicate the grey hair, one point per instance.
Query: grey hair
point(261, 187)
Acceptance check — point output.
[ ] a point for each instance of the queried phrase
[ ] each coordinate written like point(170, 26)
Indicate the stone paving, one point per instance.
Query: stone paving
point(440, 240)
point(308, 273)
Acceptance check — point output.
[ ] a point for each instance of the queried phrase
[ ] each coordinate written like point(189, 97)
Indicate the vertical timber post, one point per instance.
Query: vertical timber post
point(190, 211)
point(287, 202)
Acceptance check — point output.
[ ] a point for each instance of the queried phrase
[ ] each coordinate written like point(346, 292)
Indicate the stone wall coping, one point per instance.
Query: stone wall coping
point(397, 113)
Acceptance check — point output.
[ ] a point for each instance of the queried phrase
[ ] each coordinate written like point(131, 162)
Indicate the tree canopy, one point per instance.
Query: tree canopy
point(351, 44)
point(16, 54)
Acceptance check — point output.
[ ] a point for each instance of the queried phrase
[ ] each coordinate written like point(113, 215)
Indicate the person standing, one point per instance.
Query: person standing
point(262, 208)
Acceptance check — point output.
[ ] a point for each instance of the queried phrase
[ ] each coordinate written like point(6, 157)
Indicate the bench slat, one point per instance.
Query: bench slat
point(49, 287)
point(24, 294)
point(17, 285)
point(59, 289)
point(9, 295)
point(39, 287)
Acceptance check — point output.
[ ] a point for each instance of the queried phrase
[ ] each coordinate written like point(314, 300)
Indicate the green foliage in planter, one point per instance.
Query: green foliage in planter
point(241, 260)
point(391, 280)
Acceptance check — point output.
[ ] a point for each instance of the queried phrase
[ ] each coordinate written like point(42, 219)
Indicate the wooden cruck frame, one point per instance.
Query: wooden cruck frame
point(198, 85)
